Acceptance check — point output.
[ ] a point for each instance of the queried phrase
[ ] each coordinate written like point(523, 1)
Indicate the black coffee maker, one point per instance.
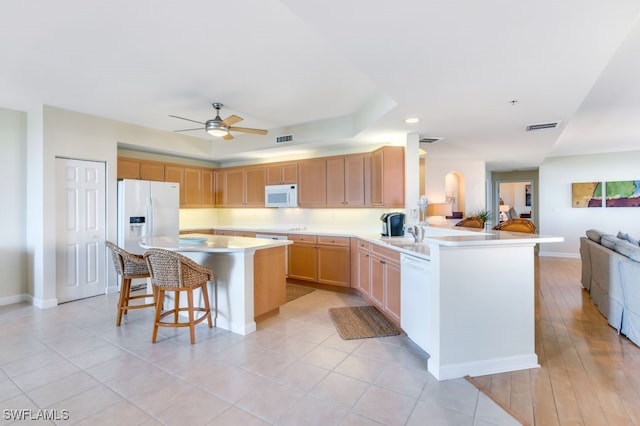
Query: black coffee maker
point(392, 224)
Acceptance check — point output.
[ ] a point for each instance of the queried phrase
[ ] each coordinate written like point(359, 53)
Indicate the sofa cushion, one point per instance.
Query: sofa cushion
point(609, 241)
point(627, 249)
point(633, 240)
point(621, 235)
point(595, 235)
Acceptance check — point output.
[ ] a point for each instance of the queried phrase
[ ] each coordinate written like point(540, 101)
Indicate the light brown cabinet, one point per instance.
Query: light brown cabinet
point(360, 265)
point(312, 183)
point(281, 173)
point(129, 168)
point(377, 277)
point(303, 263)
point(240, 187)
point(254, 181)
point(334, 263)
point(269, 281)
point(387, 176)
point(174, 173)
point(346, 181)
point(321, 259)
point(196, 184)
point(208, 188)
point(384, 289)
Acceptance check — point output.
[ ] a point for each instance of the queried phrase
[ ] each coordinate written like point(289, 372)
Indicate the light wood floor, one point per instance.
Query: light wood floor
point(589, 374)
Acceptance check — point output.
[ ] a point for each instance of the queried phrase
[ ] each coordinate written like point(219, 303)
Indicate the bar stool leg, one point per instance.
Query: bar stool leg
point(156, 320)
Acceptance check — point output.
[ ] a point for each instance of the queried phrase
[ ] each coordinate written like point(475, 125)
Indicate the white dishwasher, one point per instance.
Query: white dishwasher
point(415, 299)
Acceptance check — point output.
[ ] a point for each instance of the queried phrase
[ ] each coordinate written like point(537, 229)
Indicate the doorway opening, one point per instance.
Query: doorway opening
point(514, 195)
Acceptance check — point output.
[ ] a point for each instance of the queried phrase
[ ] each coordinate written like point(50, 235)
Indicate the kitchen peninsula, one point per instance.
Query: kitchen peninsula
point(250, 274)
point(467, 296)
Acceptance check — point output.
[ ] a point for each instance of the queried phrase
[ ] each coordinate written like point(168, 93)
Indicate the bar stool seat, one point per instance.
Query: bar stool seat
point(171, 271)
point(129, 266)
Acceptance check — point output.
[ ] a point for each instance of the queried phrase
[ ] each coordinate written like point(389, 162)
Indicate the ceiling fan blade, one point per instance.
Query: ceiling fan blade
point(188, 119)
point(248, 130)
point(231, 120)
point(188, 130)
point(227, 137)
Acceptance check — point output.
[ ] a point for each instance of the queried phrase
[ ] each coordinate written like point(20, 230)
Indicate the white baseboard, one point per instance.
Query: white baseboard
point(18, 298)
point(482, 368)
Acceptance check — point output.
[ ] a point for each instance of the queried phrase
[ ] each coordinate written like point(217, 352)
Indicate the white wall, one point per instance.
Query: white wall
point(13, 249)
point(557, 217)
point(473, 176)
point(54, 132)
point(513, 195)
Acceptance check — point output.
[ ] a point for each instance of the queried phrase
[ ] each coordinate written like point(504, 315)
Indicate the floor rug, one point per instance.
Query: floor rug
point(294, 291)
point(361, 322)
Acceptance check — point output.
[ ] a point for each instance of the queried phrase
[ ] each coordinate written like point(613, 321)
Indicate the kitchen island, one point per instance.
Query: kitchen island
point(468, 299)
point(467, 296)
point(250, 274)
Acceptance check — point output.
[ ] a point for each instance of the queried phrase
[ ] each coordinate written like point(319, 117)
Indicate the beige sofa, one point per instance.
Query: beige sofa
point(611, 274)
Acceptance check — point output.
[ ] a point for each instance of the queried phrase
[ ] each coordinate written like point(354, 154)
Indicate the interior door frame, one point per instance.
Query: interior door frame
point(511, 177)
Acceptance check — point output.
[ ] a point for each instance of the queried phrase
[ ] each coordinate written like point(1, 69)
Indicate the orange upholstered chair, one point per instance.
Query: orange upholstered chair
point(471, 222)
point(516, 225)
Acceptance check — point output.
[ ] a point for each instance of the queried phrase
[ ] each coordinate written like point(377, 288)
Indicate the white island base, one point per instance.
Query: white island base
point(250, 275)
point(485, 311)
point(470, 302)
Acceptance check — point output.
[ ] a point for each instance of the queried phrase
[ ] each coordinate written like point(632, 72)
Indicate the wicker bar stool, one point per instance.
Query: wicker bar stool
point(129, 266)
point(171, 271)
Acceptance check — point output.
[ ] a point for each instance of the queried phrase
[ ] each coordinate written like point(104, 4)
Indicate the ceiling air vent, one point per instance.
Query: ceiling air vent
point(551, 125)
point(284, 138)
point(430, 140)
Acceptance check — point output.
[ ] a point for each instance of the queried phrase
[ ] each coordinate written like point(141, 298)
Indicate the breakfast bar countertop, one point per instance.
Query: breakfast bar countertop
point(211, 243)
point(447, 236)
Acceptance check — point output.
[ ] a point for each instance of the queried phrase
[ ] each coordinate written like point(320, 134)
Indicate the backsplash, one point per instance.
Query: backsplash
point(283, 218)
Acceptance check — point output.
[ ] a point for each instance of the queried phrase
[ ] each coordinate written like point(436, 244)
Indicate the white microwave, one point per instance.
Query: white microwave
point(281, 195)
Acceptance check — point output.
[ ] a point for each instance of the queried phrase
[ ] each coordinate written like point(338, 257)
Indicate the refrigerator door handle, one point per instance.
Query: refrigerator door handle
point(148, 228)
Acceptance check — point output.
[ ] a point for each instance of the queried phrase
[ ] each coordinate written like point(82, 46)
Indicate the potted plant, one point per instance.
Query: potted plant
point(483, 214)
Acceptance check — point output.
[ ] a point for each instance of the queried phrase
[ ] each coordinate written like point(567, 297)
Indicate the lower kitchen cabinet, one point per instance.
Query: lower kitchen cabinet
point(320, 259)
point(303, 262)
point(333, 261)
point(379, 278)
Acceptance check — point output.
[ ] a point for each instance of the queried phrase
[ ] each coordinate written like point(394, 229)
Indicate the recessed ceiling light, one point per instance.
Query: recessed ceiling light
point(411, 120)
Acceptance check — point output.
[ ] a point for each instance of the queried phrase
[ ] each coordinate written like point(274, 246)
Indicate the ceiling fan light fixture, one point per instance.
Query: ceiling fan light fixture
point(218, 132)
point(215, 128)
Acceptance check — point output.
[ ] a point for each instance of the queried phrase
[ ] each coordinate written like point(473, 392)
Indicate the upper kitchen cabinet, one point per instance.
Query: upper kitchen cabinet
point(387, 176)
point(281, 173)
point(254, 181)
point(196, 184)
point(346, 181)
point(129, 168)
point(312, 183)
point(240, 187)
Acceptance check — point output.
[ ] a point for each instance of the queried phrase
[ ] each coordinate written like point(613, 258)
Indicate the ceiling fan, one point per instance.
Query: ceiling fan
point(220, 128)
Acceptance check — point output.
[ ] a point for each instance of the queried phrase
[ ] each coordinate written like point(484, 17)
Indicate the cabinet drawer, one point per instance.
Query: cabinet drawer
point(303, 238)
point(387, 253)
point(363, 245)
point(333, 241)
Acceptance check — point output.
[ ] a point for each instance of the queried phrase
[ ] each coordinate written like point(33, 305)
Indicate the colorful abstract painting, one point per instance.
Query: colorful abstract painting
point(586, 194)
point(623, 193)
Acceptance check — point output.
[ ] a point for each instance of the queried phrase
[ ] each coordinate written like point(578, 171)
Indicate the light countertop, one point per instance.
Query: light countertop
point(448, 236)
point(211, 243)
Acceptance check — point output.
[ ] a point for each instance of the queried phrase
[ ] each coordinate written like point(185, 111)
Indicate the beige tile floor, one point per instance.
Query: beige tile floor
point(295, 370)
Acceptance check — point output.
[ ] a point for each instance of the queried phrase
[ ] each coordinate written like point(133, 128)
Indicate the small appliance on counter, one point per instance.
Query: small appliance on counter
point(392, 224)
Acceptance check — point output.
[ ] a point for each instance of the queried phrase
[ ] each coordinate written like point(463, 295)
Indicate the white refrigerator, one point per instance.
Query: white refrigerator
point(146, 209)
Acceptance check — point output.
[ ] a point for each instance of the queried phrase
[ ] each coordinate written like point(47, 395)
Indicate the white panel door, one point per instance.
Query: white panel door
point(81, 229)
